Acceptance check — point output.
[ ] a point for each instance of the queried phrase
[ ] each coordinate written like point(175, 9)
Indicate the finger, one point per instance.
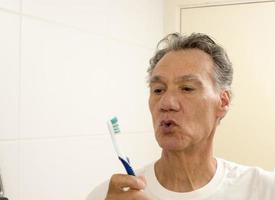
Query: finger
point(135, 194)
point(129, 195)
point(119, 181)
point(142, 178)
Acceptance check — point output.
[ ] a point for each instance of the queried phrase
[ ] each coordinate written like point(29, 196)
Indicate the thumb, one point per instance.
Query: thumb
point(142, 178)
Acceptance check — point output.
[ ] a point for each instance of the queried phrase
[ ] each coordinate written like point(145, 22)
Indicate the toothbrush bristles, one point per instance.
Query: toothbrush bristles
point(115, 125)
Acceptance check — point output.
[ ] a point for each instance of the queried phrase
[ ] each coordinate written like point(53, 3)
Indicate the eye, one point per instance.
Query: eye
point(157, 91)
point(187, 89)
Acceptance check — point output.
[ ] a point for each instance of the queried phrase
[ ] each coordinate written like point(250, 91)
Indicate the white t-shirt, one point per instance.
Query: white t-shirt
point(230, 182)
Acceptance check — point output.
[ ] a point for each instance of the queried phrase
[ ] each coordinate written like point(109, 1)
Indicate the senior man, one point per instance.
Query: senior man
point(190, 91)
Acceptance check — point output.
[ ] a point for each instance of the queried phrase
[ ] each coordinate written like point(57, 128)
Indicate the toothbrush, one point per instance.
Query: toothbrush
point(113, 127)
point(2, 190)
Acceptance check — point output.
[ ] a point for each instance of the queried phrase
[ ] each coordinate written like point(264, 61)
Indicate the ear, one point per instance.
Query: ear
point(224, 103)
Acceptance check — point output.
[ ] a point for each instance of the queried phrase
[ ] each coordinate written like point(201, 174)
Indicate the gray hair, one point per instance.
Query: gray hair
point(223, 71)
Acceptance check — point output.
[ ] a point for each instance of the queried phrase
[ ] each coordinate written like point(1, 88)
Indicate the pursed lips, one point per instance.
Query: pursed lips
point(167, 122)
point(167, 125)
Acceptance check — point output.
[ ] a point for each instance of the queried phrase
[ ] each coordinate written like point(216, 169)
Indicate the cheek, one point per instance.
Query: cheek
point(201, 109)
point(150, 103)
point(208, 111)
point(152, 108)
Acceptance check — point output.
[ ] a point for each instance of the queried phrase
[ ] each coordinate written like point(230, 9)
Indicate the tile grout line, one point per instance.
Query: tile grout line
point(223, 3)
point(102, 134)
point(54, 22)
point(19, 103)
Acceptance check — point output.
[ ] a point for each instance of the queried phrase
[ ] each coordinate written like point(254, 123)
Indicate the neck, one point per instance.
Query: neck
point(185, 171)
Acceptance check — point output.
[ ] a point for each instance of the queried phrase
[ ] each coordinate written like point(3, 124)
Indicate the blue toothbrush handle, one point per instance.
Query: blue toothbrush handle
point(127, 167)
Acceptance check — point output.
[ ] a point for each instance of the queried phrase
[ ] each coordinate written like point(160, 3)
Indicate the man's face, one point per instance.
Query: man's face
point(184, 103)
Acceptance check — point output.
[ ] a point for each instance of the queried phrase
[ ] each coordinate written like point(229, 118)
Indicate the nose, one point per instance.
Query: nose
point(169, 102)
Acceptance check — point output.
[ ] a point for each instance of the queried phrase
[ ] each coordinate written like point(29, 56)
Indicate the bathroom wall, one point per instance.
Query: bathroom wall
point(65, 68)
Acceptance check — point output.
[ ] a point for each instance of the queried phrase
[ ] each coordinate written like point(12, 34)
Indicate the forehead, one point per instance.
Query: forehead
point(189, 62)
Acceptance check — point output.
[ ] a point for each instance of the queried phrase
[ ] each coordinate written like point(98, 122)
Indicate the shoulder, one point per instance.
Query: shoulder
point(248, 174)
point(240, 170)
point(100, 191)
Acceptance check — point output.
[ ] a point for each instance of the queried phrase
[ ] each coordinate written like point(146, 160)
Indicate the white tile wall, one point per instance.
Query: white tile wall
point(9, 168)
point(136, 21)
point(62, 168)
point(61, 80)
point(88, 15)
point(139, 21)
point(73, 82)
point(66, 66)
point(128, 92)
point(13, 5)
point(70, 168)
point(9, 75)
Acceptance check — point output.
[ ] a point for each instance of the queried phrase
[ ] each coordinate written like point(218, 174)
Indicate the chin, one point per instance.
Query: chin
point(170, 148)
point(171, 142)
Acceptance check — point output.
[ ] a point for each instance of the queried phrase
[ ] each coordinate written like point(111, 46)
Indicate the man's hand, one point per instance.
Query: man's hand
point(125, 187)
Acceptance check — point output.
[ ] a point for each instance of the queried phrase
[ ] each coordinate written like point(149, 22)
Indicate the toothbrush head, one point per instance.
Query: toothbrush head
point(115, 125)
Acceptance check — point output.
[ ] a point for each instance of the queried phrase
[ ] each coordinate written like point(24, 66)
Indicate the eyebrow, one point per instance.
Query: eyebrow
point(189, 77)
point(155, 79)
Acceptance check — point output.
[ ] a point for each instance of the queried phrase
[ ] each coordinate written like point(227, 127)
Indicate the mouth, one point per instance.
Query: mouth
point(168, 123)
point(167, 126)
